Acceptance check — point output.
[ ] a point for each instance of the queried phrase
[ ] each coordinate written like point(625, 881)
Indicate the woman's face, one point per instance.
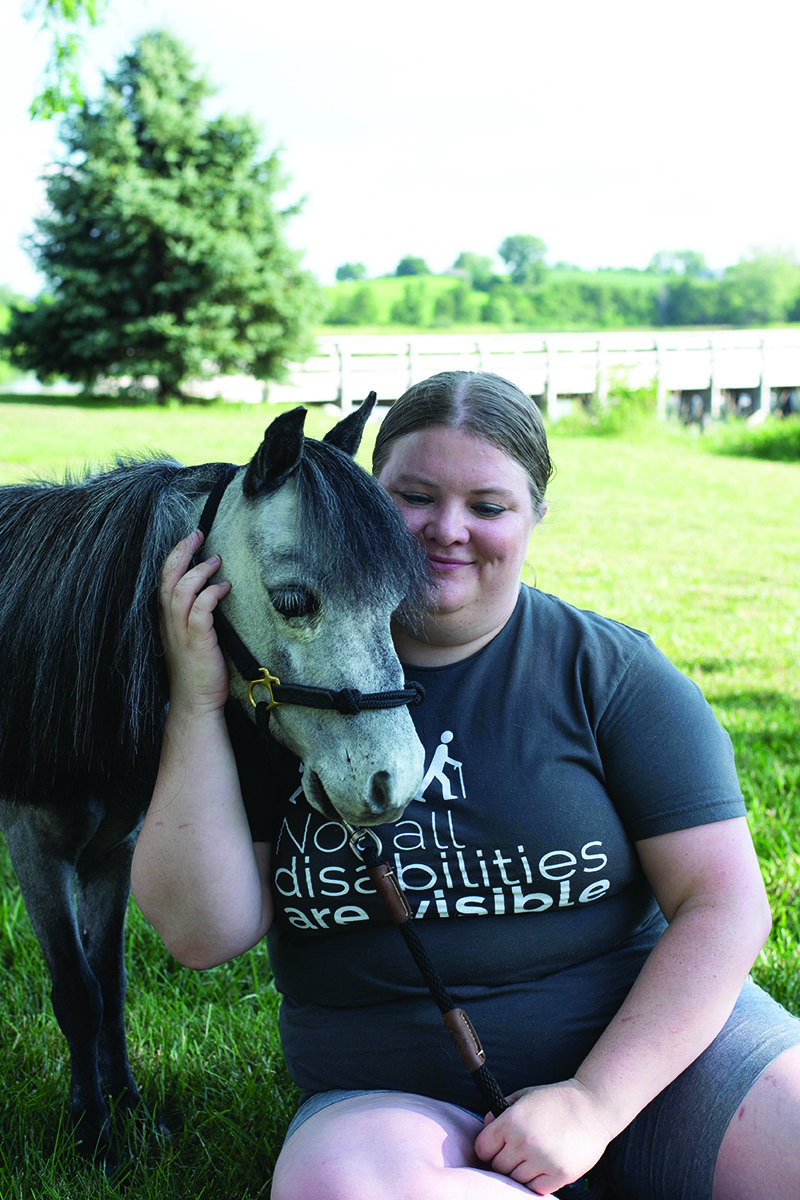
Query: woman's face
point(469, 504)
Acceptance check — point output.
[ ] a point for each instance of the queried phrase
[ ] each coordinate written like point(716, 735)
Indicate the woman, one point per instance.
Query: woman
point(577, 858)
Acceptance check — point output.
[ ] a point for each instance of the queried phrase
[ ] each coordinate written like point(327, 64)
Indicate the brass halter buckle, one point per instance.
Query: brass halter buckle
point(264, 680)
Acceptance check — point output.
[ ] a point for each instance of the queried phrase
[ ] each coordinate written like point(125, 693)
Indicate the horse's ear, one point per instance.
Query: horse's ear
point(348, 433)
point(278, 456)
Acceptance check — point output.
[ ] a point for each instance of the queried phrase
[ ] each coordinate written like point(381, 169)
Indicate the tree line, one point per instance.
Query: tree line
point(677, 288)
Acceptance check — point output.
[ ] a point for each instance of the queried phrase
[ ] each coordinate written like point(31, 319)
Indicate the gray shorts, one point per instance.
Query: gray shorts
point(670, 1150)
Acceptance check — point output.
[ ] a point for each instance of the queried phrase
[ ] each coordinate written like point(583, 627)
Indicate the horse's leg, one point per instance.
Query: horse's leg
point(44, 848)
point(103, 891)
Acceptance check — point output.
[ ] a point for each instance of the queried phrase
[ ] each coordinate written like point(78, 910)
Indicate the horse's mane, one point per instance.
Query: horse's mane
point(83, 675)
point(378, 557)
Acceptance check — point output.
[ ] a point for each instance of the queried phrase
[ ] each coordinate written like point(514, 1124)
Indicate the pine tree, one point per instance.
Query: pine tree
point(164, 249)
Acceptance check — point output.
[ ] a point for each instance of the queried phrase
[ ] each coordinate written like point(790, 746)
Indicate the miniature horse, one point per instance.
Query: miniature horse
point(318, 559)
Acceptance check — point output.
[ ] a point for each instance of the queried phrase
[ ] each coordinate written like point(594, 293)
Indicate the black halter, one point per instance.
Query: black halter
point(347, 701)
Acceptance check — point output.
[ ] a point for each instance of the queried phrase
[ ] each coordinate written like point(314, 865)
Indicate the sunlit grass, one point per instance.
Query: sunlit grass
point(49, 438)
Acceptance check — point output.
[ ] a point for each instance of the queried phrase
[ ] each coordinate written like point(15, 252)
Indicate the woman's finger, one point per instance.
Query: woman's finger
point(179, 559)
point(183, 583)
point(204, 603)
point(197, 577)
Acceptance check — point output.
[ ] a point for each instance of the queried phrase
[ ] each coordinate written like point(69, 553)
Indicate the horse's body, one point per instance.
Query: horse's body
point(318, 560)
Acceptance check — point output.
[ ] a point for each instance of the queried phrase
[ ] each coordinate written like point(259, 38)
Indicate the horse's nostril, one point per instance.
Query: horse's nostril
point(381, 792)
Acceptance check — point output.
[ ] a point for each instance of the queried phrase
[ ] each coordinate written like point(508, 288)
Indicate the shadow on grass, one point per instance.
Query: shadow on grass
point(89, 400)
point(70, 400)
point(763, 728)
point(762, 713)
point(225, 1136)
point(707, 665)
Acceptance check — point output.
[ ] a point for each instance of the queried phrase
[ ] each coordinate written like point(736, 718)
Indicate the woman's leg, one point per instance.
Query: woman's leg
point(387, 1145)
point(760, 1153)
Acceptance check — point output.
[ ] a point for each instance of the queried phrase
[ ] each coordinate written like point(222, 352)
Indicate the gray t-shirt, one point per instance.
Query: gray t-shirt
point(548, 753)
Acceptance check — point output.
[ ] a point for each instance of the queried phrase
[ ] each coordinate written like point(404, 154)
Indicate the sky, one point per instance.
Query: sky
point(611, 129)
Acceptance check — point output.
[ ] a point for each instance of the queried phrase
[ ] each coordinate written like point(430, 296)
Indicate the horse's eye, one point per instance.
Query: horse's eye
point(294, 602)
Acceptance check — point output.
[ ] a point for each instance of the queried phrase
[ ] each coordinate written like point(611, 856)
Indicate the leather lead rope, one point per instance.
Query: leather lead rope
point(456, 1021)
point(364, 842)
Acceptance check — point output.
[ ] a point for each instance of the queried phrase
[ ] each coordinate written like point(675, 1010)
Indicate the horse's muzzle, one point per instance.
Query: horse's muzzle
point(378, 807)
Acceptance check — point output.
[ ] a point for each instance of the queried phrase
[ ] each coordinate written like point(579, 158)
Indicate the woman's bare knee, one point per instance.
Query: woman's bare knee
point(377, 1145)
point(760, 1153)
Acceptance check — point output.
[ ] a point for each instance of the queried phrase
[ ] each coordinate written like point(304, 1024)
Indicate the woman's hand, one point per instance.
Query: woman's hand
point(197, 672)
point(550, 1136)
point(707, 882)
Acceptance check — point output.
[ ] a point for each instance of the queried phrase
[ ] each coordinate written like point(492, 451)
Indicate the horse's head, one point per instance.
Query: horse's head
point(319, 559)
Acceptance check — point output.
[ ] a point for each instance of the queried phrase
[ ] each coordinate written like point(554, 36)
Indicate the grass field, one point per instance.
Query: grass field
point(701, 550)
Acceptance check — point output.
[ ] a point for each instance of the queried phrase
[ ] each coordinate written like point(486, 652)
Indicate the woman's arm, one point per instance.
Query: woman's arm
point(709, 887)
point(196, 874)
point(708, 884)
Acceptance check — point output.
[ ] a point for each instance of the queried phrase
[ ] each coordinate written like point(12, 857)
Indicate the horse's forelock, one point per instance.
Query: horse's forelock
point(354, 532)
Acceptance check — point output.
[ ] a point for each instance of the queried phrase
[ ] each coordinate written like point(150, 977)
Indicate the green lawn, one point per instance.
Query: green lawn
point(702, 551)
point(50, 436)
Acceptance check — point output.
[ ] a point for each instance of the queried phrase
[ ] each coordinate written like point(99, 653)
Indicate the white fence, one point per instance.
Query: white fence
point(748, 370)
